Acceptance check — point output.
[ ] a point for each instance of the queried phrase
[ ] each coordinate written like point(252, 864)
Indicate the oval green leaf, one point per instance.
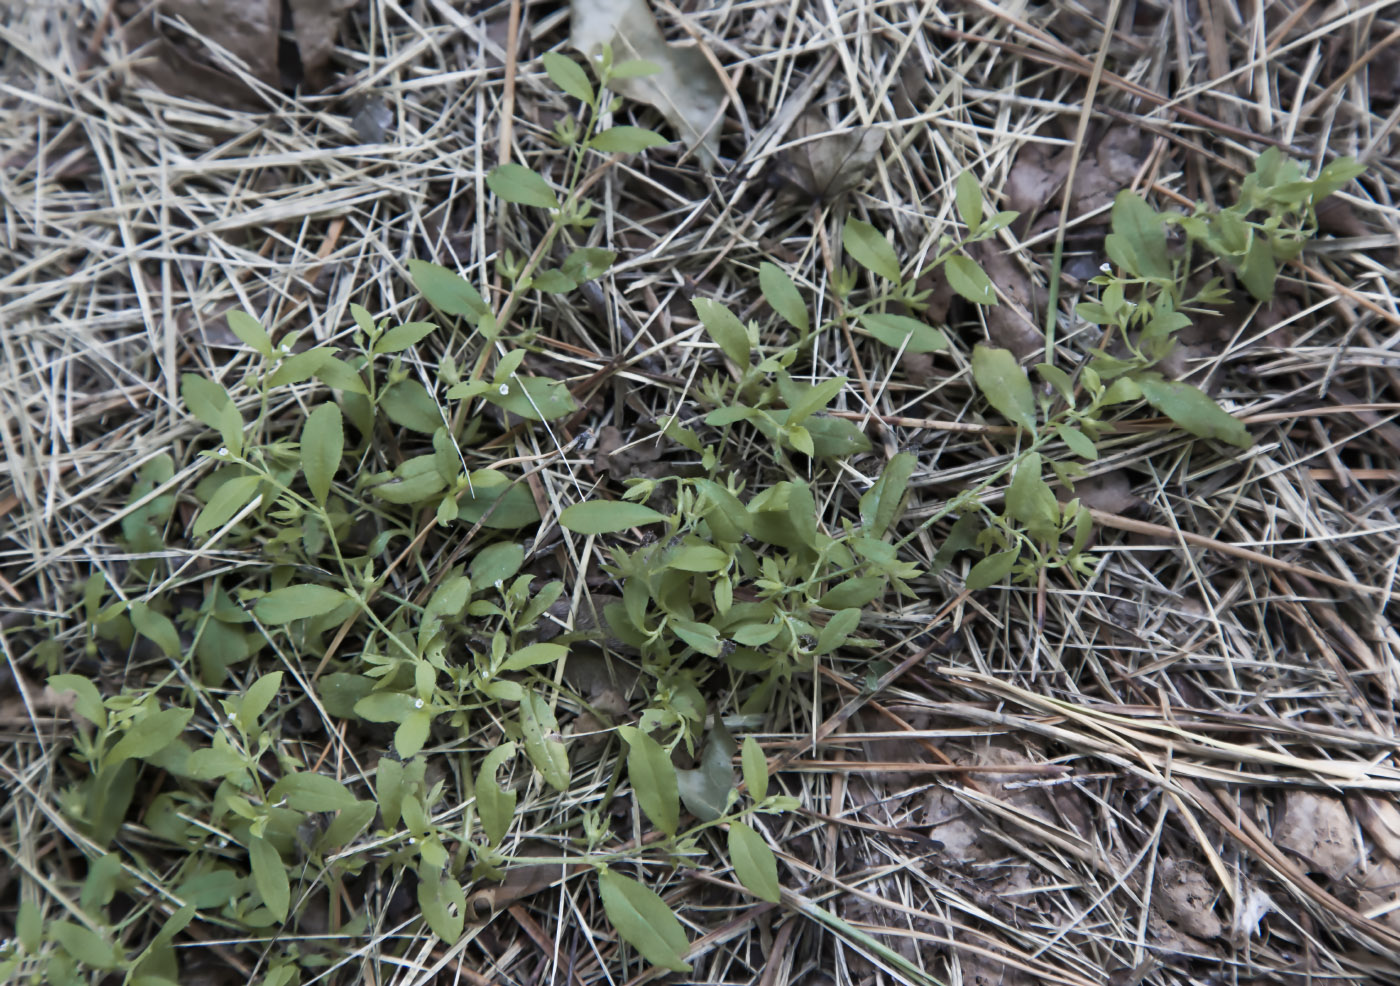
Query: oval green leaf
point(607, 516)
point(644, 921)
point(754, 863)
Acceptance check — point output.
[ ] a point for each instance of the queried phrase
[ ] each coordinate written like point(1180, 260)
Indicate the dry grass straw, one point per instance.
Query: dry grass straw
point(1027, 804)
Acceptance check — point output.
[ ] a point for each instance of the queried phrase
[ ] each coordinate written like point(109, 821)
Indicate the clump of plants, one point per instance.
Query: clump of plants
point(336, 614)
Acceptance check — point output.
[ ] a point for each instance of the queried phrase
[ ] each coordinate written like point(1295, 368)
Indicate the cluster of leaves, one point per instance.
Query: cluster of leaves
point(242, 810)
point(1146, 298)
point(724, 591)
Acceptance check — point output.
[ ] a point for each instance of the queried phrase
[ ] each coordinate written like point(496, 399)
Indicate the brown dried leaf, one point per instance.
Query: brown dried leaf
point(1319, 829)
point(178, 64)
point(686, 90)
point(622, 460)
point(1034, 179)
point(1381, 820)
point(316, 24)
point(1186, 898)
point(1011, 324)
point(825, 167)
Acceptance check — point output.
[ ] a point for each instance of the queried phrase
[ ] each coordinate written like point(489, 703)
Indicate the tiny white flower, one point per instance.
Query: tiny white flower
point(417, 703)
point(505, 389)
point(223, 451)
point(285, 349)
point(412, 841)
point(1106, 267)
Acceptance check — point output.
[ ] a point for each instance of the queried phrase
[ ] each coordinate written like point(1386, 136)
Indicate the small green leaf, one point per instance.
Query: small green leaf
point(443, 903)
point(546, 752)
point(782, 296)
point(968, 197)
point(1143, 232)
point(626, 140)
point(204, 398)
point(838, 628)
point(725, 329)
point(302, 366)
point(297, 602)
point(1192, 410)
point(992, 569)
point(607, 516)
point(495, 806)
point(699, 558)
point(1004, 384)
point(306, 791)
point(399, 338)
point(231, 496)
point(879, 506)
point(322, 445)
point(869, 248)
point(836, 437)
point(853, 593)
point(901, 330)
point(496, 563)
point(813, 399)
point(517, 183)
point(496, 502)
point(447, 291)
point(1258, 272)
point(1058, 379)
point(1030, 500)
point(1079, 443)
point(342, 376)
point(532, 655)
point(85, 945)
point(250, 330)
point(258, 697)
point(653, 778)
point(29, 926)
point(387, 706)
point(754, 863)
point(705, 790)
point(156, 627)
point(89, 700)
point(644, 921)
point(270, 877)
point(755, 769)
point(413, 732)
point(552, 282)
point(148, 736)
point(533, 398)
point(1336, 176)
point(967, 278)
point(586, 263)
point(701, 636)
point(569, 76)
point(633, 68)
point(408, 403)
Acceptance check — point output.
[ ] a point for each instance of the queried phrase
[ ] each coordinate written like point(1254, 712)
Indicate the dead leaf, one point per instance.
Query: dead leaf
point(1319, 829)
point(1110, 492)
point(316, 25)
point(623, 460)
point(1381, 820)
point(1380, 887)
point(1011, 324)
point(185, 65)
point(1034, 179)
point(1120, 153)
point(1186, 898)
point(686, 90)
point(1249, 911)
point(823, 168)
